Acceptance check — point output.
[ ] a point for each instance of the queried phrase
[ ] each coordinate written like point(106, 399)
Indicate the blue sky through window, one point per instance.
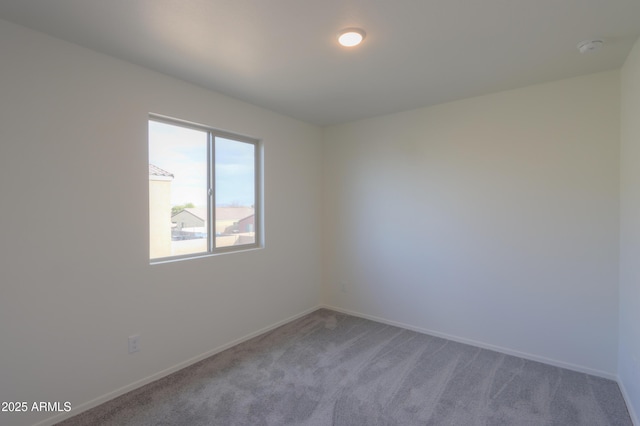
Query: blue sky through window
point(182, 152)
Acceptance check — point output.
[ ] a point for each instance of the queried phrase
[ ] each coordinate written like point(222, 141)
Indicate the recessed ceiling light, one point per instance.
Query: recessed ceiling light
point(351, 37)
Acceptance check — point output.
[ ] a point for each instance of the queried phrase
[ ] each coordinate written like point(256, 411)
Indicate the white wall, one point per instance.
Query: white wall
point(492, 219)
point(629, 351)
point(73, 145)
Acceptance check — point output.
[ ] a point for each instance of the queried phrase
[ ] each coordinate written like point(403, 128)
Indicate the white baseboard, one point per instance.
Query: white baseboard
point(627, 400)
point(139, 383)
point(479, 344)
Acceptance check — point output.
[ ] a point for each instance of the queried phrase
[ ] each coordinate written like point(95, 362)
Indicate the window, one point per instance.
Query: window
point(204, 195)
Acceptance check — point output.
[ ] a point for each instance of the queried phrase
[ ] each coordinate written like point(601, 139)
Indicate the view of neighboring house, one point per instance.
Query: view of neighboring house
point(243, 232)
point(234, 225)
point(159, 212)
point(231, 226)
point(189, 223)
point(247, 224)
point(227, 218)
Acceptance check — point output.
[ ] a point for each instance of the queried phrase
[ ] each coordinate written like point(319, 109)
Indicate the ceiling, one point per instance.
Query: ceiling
point(283, 54)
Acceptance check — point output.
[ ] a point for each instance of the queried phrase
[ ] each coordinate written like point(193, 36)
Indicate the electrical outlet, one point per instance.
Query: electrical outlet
point(344, 286)
point(134, 343)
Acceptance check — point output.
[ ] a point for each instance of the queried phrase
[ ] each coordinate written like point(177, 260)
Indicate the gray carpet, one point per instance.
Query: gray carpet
point(329, 368)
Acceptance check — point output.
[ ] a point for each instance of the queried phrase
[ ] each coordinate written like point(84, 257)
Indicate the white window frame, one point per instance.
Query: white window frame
point(212, 133)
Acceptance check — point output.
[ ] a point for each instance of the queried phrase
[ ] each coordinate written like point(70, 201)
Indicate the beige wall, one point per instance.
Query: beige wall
point(512, 201)
point(629, 357)
point(159, 217)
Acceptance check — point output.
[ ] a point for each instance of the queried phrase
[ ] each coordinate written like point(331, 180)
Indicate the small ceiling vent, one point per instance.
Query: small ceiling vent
point(587, 46)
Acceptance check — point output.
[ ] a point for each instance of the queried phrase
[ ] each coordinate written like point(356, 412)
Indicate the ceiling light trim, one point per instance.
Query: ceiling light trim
point(351, 37)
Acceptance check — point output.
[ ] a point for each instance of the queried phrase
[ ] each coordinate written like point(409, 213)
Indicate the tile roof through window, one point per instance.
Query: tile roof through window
point(157, 171)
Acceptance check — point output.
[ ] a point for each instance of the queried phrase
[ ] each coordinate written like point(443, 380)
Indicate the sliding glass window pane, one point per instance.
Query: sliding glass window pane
point(235, 191)
point(177, 190)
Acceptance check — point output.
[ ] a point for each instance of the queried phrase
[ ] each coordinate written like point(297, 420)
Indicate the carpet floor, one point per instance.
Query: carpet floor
point(328, 368)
